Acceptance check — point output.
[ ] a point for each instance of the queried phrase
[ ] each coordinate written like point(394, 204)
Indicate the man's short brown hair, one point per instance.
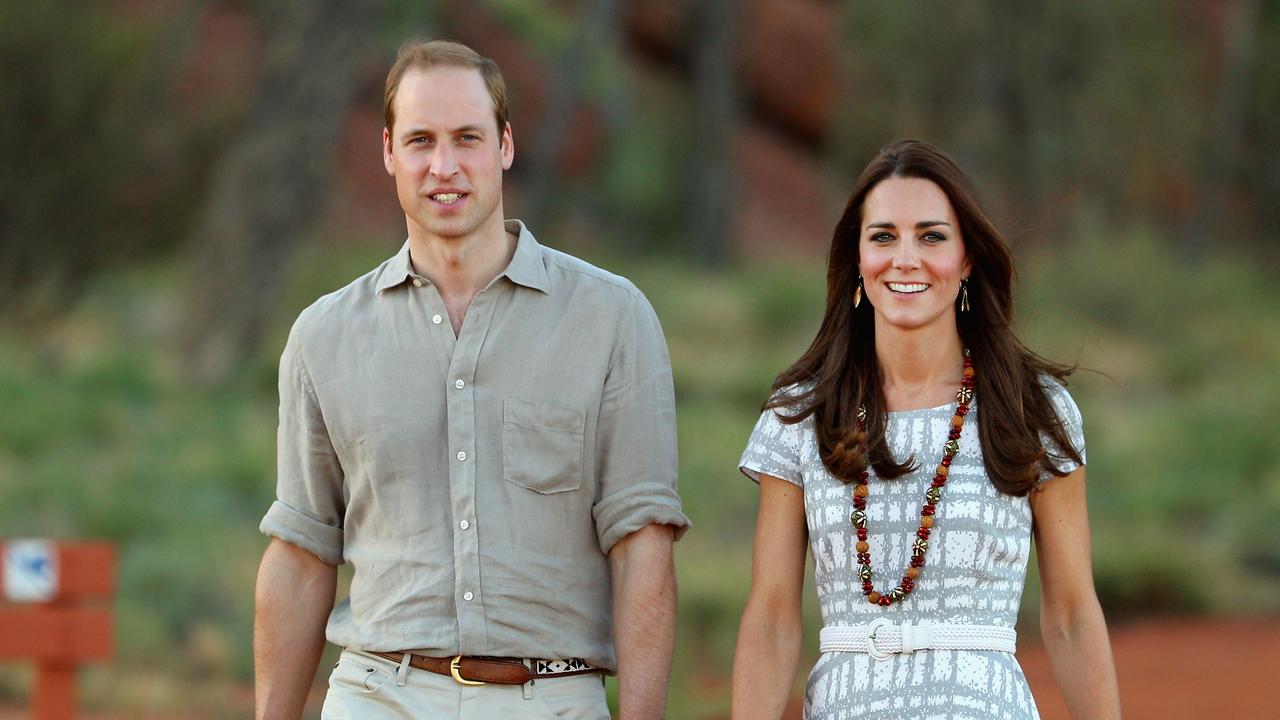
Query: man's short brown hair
point(426, 54)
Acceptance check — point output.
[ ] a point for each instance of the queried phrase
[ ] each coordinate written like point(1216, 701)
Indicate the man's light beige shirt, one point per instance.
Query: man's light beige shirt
point(476, 484)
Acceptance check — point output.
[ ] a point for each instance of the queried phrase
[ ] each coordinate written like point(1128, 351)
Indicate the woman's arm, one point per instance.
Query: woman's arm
point(1071, 621)
point(768, 652)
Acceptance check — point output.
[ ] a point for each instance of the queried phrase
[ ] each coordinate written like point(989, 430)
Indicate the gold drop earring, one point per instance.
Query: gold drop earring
point(857, 294)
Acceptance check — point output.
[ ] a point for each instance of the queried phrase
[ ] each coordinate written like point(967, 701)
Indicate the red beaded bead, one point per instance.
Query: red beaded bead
point(917, 561)
point(927, 510)
point(862, 533)
point(923, 533)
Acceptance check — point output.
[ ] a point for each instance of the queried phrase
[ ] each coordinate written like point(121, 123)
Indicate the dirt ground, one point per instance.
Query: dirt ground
point(1169, 668)
point(1181, 668)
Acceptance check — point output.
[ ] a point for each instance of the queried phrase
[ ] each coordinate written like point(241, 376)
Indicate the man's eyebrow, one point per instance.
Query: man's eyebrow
point(414, 131)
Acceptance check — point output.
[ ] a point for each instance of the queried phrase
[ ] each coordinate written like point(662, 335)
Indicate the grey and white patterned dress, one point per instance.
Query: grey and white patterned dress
point(974, 574)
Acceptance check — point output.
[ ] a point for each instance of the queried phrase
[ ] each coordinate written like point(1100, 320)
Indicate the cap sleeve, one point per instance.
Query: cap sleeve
point(1072, 424)
point(773, 449)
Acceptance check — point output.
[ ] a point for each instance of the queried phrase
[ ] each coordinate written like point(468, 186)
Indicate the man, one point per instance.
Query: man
point(484, 429)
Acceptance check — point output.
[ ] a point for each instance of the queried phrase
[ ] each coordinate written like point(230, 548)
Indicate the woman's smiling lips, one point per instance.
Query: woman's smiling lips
point(906, 288)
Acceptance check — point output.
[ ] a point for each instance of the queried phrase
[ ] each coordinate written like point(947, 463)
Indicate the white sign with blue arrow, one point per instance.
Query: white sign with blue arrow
point(30, 570)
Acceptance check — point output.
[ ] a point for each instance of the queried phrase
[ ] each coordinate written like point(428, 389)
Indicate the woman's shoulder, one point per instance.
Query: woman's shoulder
point(1069, 417)
point(791, 397)
point(787, 402)
point(1055, 390)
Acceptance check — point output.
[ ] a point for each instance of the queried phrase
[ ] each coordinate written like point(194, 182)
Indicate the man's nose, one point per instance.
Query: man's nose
point(444, 164)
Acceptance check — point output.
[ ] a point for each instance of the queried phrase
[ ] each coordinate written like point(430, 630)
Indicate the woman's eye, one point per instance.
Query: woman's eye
point(881, 237)
point(934, 237)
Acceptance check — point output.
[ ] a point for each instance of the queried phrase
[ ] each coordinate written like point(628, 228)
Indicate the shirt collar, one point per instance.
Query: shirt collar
point(526, 267)
point(397, 270)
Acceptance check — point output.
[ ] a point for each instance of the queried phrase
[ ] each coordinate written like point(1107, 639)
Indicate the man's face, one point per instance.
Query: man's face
point(446, 152)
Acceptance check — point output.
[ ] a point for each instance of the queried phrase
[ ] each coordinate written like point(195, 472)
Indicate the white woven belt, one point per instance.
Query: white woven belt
point(882, 637)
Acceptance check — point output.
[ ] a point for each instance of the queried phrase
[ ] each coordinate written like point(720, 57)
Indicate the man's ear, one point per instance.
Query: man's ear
point(508, 148)
point(387, 160)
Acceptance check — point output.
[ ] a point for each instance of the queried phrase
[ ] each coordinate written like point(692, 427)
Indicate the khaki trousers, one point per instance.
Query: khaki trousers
point(365, 687)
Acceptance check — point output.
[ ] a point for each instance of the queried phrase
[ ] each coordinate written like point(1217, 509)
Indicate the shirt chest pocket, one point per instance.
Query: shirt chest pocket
point(542, 445)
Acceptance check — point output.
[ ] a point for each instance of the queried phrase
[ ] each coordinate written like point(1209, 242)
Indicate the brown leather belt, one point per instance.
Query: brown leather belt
point(479, 670)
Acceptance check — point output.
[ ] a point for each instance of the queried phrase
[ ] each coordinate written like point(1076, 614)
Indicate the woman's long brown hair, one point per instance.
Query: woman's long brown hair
point(839, 372)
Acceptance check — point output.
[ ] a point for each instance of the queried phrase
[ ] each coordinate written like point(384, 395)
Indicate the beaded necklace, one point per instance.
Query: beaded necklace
point(932, 497)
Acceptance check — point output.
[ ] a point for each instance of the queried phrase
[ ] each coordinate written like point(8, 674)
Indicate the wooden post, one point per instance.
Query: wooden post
point(62, 628)
point(54, 697)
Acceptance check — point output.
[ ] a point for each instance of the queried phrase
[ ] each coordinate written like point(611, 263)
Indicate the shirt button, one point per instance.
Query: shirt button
point(464, 524)
point(462, 455)
point(417, 282)
point(436, 319)
point(467, 596)
point(459, 383)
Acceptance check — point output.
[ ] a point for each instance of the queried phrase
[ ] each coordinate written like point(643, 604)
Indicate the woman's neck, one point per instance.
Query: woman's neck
point(919, 366)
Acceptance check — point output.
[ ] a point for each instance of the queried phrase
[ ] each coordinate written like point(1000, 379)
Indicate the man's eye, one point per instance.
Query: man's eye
point(470, 138)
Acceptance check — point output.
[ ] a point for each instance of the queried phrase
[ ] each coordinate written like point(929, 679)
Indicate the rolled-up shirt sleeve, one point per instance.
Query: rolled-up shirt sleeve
point(308, 509)
point(636, 433)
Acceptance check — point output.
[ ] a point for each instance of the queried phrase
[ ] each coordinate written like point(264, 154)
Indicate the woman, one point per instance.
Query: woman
point(917, 447)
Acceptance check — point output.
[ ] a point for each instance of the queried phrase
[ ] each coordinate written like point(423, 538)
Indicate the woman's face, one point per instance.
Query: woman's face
point(912, 254)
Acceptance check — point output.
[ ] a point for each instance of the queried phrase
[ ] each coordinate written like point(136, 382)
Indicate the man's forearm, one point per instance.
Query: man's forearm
point(292, 601)
point(644, 617)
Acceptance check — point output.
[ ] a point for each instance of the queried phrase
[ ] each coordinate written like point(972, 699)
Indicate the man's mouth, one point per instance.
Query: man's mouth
point(907, 288)
point(448, 198)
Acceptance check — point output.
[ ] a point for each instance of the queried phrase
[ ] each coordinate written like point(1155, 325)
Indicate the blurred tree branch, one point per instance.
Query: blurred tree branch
point(274, 178)
point(1223, 143)
point(599, 23)
point(715, 111)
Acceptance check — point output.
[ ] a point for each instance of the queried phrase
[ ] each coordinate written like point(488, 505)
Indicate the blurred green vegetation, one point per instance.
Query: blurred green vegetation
point(100, 437)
